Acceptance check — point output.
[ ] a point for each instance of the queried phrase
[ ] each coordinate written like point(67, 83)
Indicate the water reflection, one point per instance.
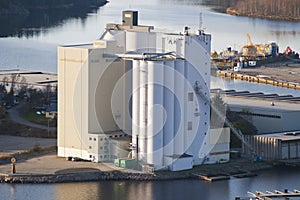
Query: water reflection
point(38, 22)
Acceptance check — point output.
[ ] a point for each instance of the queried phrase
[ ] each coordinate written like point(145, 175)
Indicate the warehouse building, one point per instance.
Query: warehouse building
point(276, 146)
point(283, 115)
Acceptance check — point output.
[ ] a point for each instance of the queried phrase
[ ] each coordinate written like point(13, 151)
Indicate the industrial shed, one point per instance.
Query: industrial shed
point(277, 146)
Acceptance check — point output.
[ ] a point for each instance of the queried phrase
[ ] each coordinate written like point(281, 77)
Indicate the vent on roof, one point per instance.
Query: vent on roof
point(292, 133)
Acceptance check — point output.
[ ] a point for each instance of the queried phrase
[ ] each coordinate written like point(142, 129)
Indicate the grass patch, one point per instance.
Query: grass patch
point(30, 115)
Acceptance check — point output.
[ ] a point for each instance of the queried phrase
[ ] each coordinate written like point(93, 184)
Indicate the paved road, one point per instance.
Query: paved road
point(13, 144)
point(13, 114)
point(50, 164)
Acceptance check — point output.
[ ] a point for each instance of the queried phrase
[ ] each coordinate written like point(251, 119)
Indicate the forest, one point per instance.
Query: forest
point(271, 9)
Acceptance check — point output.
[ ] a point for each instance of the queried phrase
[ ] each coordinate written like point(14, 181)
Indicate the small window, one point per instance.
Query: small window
point(90, 138)
point(101, 139)
point(95, 139)
point(191, 96)
point(190, 126)
point(100, 157)
point(101, 147)
point(90, 147)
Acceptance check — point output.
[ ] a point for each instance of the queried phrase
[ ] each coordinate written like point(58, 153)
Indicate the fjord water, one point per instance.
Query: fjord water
point(35, 48)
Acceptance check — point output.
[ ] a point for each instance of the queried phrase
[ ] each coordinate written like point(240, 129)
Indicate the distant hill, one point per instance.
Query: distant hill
point(25, 7)
point(270, 9)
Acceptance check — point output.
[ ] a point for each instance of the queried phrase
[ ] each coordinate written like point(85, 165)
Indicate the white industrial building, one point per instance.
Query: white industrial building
point(136, 82)
point(268, 116)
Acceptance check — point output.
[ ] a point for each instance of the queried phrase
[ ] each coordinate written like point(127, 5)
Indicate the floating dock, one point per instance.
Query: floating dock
point(212, 178)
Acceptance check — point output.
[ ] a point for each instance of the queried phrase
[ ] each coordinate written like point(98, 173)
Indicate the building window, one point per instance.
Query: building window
point(90, 147)
point(190, 96)
point(90, 138)
point(94, 139)
point(101, 147)
point(190, 126)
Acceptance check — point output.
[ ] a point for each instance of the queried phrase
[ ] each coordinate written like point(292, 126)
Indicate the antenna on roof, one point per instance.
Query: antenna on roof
point(201, 29)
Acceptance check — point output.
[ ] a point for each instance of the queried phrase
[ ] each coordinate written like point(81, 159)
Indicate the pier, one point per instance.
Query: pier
point(257, 79)
point(286, 194)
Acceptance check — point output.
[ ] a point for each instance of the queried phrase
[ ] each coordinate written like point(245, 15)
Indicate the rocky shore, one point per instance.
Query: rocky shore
point(85, 174)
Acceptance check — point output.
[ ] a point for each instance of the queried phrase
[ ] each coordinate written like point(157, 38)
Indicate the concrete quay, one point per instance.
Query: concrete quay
point(257, 79)
point(52, 169)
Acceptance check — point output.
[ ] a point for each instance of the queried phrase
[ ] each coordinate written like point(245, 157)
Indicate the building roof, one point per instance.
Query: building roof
point(33, 78)
point(261, 104)
point(284, 136)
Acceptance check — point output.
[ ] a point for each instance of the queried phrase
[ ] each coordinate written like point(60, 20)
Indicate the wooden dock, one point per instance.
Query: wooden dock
point(212, 178)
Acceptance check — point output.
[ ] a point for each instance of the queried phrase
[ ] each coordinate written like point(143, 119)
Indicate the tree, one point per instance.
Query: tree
point(218, 112)
point(23, 87)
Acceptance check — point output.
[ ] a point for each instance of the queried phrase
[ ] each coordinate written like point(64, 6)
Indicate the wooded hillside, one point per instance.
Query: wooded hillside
point(272, 9)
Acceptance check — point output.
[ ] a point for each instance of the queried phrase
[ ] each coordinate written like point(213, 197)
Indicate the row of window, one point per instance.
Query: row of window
point(259, 115)
point(111, 136)
point(101, 147)
point(105, 156)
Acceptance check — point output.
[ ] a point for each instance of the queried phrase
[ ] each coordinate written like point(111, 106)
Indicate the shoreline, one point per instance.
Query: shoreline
point(234, 169)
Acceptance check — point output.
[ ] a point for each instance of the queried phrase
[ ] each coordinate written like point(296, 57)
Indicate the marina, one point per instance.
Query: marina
point(286, 194)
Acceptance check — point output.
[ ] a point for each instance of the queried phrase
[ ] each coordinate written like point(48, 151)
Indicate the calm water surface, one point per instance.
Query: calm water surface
point(35, 48)
point(165, 190)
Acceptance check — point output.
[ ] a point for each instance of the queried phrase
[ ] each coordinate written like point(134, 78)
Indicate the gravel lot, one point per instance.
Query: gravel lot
point(279, 71)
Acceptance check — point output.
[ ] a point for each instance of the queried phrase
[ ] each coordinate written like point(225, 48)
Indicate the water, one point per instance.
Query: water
point(34, 48)
point(238, 85)
point(279, 179)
